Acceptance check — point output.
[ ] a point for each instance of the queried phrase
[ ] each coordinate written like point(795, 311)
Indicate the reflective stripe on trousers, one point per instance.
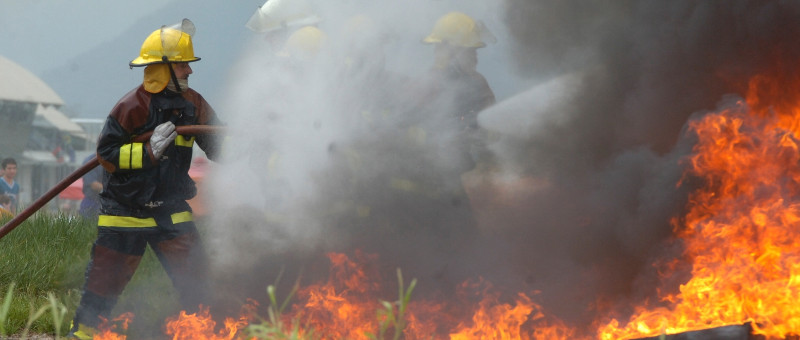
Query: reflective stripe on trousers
point(136, 222)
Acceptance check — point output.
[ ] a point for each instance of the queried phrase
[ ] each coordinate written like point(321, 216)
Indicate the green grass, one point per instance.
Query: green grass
point(43, 255)
point(47, 255)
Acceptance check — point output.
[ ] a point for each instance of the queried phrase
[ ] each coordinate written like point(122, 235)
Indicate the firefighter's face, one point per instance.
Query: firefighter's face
point(182, 70)
point(465, 59)
point(460, 58)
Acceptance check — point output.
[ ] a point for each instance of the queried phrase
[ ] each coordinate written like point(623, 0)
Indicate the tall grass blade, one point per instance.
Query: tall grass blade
point(4, 309)
point(33, 316)
point(59, 311)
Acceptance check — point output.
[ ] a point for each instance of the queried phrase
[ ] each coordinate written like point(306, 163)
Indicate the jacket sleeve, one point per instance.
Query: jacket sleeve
point(210, 144)
point(118, 151)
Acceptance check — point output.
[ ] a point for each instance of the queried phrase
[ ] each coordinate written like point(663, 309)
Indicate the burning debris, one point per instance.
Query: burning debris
point(739, 232)
point(732, 332)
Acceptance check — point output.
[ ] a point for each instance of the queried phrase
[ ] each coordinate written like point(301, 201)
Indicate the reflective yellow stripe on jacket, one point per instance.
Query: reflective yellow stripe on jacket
point(130, 156)
point(181, 217)
point(182, 141)
point(136, 222)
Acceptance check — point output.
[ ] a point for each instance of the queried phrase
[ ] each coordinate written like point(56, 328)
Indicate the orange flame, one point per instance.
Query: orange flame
point(108, 335)
point(345, 308)
point(742, 229)
point(347, 305)
point(200, 326)
point(108, 330)
point(494, 319)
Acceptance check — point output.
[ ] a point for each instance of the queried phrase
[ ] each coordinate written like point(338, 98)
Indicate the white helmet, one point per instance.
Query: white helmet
point(277, 14)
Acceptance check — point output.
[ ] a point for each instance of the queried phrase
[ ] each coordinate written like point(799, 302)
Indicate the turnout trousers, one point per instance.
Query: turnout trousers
point(120, 244)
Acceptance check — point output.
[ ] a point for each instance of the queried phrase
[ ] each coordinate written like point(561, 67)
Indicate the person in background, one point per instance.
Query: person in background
point(435, 141)
point(146, 184)
point(92, 187)
point(5, 207)
point(8, 186)
point(441, 121)
point(455, 88)
point(278, 19)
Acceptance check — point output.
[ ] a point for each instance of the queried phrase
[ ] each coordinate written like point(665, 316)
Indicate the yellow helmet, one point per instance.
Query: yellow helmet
point(459, 29)
point(305, 43)
point(168, 44)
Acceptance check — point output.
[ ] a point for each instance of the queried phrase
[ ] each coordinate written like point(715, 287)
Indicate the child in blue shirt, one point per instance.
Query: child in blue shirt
point(8, 186)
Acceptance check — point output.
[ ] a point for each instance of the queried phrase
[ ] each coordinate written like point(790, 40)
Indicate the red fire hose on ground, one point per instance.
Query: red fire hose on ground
point(187, 130)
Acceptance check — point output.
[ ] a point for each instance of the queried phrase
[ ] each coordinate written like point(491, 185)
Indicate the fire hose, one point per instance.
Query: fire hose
point(88, 166)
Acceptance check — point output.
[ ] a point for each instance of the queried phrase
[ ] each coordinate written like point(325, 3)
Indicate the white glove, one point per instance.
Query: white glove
point(162, 137)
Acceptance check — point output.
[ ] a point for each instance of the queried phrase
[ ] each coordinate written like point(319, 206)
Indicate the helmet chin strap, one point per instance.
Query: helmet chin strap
point(172, 74)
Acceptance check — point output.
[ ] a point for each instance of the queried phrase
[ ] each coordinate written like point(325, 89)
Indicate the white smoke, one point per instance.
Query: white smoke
point(321, 149)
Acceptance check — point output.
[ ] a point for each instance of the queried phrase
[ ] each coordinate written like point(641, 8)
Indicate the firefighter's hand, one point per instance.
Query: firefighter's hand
point(162, 137)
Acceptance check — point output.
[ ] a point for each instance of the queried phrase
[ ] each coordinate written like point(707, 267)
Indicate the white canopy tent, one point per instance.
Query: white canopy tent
point(20, 85)
point(51, 117)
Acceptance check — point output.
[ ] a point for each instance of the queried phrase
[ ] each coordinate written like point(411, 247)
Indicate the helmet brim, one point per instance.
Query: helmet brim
point(433, 40)
point(139, 62)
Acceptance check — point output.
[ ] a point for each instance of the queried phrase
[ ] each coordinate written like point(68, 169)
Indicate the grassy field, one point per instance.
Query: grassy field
point(47, 256)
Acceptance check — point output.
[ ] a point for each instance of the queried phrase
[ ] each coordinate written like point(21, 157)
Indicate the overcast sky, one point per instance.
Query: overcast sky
point(39, 35)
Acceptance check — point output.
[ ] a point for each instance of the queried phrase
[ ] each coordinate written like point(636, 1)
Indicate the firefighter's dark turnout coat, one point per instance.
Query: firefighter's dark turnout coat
point(135, 181)
point(144, 200)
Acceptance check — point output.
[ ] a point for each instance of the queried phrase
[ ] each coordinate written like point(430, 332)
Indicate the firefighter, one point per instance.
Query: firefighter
point(272, 166)
point(278, 19)
point(455, 86)
point(435, 140)
point(296, 63)
point(368, 88)
point(441, 124)
point(146, 184)
point(304, 45)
